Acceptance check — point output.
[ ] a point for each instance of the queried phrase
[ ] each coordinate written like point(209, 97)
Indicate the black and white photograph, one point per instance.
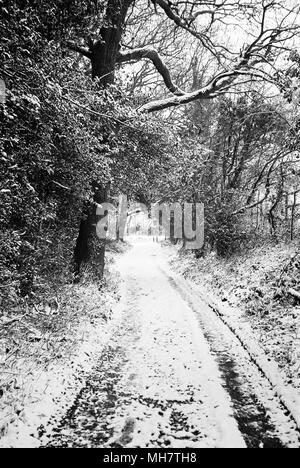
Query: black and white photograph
point(149, 227)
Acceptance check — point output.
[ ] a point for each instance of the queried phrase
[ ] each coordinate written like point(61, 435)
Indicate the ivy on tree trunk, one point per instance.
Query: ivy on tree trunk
point(104, 54)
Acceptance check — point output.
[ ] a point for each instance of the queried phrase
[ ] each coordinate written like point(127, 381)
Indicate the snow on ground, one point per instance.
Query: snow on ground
point(165, 372)
point(170, 364)
point(172, 375)
point(47, 388)
point(256, 283)
point(219, 285)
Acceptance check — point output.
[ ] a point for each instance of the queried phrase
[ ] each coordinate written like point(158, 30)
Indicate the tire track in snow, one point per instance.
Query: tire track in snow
point(285, 426)
point(165, 380)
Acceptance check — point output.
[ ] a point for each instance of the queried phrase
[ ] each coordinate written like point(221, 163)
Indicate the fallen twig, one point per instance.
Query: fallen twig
point(294, 293)
point(61, 186)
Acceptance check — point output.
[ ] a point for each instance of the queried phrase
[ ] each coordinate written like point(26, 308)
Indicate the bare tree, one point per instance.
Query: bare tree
point(271, 26)
point(229, 42)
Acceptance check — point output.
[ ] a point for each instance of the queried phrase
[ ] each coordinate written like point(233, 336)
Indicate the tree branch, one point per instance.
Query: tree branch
point(249, 58)
point(294, 293)
point(173, 15)
point(220, 82)
point(151, 54)
point(81, 50)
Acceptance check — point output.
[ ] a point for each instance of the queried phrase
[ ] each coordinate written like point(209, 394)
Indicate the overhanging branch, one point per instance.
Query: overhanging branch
point(151, 54)
point(255, 53)
point(220, 82)
point(174, 16)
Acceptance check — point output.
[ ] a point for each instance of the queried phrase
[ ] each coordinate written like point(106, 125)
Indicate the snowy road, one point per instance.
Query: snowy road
point(172, 376)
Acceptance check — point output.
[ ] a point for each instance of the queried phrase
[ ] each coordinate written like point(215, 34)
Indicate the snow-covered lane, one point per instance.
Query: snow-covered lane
point(158, 383)
point(170, 367)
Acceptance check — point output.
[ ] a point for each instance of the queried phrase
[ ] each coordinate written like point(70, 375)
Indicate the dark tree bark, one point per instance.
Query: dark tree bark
point(81, 252)
point(105, 51)
point(103, 54)
point(84, 248)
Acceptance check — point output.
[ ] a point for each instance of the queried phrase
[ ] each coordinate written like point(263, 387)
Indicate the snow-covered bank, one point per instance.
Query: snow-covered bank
point(268, 330)
point(48, 380)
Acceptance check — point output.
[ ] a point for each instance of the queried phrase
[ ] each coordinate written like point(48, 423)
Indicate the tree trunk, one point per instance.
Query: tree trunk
point(105, 50)
point(103, 59)
point(84, 248)
point(81, 251)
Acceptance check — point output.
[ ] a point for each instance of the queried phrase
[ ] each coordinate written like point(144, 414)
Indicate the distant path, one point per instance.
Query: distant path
point(171, 376)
